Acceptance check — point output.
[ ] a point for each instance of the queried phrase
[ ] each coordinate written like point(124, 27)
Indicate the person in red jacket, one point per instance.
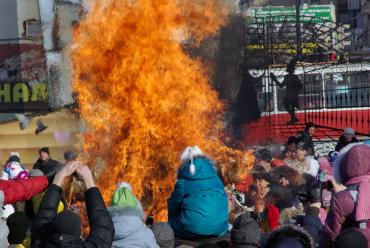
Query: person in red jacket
point(266, 215)
point(13, 191)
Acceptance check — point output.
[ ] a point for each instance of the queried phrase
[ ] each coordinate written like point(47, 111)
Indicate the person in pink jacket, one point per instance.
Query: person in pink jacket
point(350, 207)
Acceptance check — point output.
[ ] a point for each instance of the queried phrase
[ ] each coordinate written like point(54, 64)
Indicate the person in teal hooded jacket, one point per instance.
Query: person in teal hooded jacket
point(198, 205)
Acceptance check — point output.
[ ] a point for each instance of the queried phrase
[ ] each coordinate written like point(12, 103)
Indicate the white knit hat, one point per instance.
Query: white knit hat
point(8, 209)
point(14, 154)
point(188, 155)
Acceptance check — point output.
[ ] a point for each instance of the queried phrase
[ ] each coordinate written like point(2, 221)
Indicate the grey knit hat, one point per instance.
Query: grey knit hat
point(164, 235)
point(349, 131)
point(70, 155)
point(36, 173)
point(245, 232)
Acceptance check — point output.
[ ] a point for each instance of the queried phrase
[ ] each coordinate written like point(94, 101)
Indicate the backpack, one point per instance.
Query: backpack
point(353, 190)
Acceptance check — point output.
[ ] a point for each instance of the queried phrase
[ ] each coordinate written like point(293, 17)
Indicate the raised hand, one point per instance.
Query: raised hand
point(66, 171)
point(85, 173)
point(337, 186)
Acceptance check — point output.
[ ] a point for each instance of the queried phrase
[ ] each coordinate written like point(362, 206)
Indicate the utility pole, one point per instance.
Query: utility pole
point(298, 29)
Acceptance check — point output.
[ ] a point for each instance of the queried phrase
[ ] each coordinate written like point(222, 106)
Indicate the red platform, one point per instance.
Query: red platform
point(330, 122)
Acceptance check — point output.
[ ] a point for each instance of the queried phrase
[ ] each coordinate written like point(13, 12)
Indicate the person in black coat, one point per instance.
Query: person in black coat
point(311, 223)
point(348, 137)
point(246, 105)
point(293, 87)
point(47, 165)
point(247, 109)
point(51, 230)
point(306, 137)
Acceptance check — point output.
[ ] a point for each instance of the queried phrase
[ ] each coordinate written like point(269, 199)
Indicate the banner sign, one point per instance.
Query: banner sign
point(309, 13)
point(23, 97)
point(273, 29)
point(307, 47)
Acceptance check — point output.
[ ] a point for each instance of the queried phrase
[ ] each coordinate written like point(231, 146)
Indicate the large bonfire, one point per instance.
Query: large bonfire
point(143, 98)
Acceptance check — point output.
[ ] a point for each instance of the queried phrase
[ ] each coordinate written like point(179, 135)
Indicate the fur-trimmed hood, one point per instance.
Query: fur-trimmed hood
point(287, 215)
point(126, 211)
point(342, 154)
point(294, 177)
point(130, 230)
point(286, 235)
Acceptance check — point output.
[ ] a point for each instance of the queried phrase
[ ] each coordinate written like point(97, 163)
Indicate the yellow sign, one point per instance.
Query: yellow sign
point(307, 48)
point(23, 97)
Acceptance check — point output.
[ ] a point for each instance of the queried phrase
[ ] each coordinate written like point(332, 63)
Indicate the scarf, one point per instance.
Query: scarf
point(362, 211)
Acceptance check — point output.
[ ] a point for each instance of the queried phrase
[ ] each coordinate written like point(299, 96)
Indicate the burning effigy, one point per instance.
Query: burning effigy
point(144, 99)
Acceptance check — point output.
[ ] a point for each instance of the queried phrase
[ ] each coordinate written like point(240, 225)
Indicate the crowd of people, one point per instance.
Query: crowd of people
point(290, 198)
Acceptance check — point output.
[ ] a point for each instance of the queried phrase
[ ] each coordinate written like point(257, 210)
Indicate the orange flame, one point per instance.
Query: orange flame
point(143, 98)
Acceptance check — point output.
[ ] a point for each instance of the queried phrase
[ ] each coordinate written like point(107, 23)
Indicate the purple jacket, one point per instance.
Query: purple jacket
point(340, 216)
point(342, 209)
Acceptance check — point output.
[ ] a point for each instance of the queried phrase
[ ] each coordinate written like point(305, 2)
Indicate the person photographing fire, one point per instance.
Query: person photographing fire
point(50, 229)
point(264, 213)
point(293, 87)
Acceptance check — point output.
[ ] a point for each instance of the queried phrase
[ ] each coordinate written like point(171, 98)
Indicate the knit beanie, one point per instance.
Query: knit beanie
point(245, 232)
point(36, 173)
point(164, 235)
point(18, 224)
point(70, 155)
point(67, 222)
point(8, 210)
point(288, 243)
point(351, 238)
point(14, 157)
point(290, 236)
point(349, 131)
point(189, 155)
point(123, 196)
point(208, 245)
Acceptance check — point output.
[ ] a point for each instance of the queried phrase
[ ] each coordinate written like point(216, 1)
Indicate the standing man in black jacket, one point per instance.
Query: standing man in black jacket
point(51, 230)
point(47, 165)
point(306, 137)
